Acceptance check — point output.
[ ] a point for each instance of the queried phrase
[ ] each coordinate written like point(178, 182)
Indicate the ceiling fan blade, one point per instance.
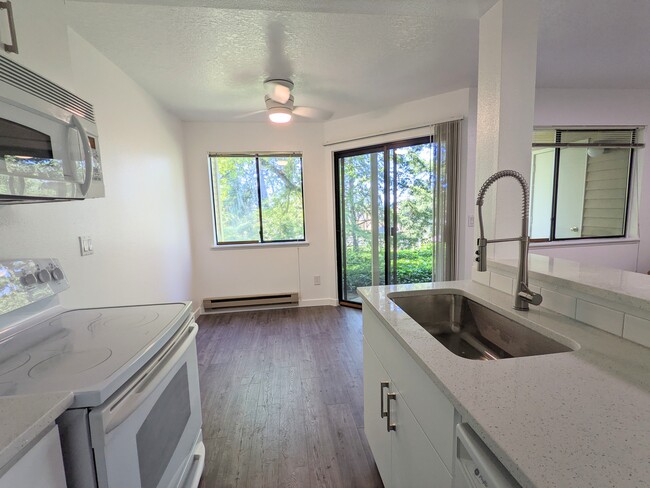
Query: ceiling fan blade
point(312, 113)
point(249, 114)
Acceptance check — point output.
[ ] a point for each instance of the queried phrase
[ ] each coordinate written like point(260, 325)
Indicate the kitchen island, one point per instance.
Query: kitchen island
point(571, 419)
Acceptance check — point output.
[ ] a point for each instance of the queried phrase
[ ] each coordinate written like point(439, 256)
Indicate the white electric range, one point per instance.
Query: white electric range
point(136, 416)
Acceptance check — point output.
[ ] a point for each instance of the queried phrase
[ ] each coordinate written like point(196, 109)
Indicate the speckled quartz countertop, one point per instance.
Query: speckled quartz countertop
point(24, 417)
point(568, 420)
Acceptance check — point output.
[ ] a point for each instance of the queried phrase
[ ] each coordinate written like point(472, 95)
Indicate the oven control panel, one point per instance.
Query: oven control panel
point(25, 281)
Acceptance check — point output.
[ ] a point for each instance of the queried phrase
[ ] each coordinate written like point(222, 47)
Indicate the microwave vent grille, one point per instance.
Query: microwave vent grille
point(26, 80)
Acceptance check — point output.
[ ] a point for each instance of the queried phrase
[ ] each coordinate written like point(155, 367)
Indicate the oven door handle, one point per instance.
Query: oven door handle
point(143, 386)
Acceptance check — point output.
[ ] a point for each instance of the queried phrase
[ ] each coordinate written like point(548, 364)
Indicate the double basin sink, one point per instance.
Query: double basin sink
point(473, 331)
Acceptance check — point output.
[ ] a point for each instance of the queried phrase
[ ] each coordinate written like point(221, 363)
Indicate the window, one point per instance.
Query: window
point(580, 180)
point(257, 198)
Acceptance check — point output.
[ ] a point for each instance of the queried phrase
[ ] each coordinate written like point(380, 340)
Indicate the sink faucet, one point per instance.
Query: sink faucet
point(523, 295)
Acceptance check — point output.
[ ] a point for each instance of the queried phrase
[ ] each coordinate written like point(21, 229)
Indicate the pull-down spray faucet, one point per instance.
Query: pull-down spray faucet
point(523, 295)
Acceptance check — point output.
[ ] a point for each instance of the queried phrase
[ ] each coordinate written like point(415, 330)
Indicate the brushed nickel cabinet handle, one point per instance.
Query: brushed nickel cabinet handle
point(382, 385)
point(389, 397)
point(13, 47)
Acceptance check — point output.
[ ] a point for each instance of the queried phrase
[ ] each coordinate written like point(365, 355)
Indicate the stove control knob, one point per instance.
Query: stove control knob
point(28, 279)
point(44, 276)
point(57, 274)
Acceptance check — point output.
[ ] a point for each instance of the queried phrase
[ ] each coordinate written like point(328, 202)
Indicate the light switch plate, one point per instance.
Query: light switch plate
point(85, 245)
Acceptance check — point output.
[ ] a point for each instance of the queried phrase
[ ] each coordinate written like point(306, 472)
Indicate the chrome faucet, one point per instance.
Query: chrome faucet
point(523, 294)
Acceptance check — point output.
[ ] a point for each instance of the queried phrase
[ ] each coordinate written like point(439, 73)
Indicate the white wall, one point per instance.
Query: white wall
point(227, 272)
point(140, 229)
point(604, 107)
point(237, 271)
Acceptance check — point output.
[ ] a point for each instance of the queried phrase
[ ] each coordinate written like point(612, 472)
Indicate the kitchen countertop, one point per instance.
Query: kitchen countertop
point(575, 419)
point(24, 417)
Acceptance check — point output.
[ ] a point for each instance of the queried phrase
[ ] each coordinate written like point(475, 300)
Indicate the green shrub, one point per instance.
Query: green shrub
point(413, 266)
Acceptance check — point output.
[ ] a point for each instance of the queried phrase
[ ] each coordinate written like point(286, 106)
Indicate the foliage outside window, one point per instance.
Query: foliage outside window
point(580, 181)
point(257, 198)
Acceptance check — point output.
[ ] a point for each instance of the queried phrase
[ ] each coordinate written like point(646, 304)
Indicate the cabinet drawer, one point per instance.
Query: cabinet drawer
point(433, 411)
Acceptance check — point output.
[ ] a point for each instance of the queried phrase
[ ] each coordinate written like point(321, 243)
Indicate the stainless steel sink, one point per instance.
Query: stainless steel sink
point(473, 331)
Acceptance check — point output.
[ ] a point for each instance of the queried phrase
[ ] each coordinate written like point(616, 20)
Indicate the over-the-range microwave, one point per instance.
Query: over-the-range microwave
point(49, 148)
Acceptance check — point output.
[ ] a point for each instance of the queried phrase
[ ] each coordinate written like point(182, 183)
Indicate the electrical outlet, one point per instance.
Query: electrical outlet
point(85, 245)
point(316, 280)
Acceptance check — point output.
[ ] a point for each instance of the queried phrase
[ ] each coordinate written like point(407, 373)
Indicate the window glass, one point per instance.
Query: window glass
point(580, 183)
point(541, 193)
point(257, 198)
point(234, 187)
point(570, 192)
point(281, 198)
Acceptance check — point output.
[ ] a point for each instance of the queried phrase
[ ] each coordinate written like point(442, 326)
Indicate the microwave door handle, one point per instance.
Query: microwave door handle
point(125, 405)
point(88, 154)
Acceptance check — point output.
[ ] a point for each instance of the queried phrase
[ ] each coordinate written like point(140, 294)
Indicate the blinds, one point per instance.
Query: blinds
point(586, 137)
point(445, 176)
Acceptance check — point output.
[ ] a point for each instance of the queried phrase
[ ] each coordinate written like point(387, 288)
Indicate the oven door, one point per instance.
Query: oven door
point(145, 434)
point(43, 158)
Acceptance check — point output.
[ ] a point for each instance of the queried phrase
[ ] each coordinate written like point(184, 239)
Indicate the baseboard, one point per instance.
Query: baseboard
point(198, 311)
point(319, 302)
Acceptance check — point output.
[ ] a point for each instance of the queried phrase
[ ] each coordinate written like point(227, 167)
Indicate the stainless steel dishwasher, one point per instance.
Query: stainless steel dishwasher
point(475, 465)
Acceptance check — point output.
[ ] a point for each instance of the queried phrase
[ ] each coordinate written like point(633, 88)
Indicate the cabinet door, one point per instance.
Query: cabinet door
point(429, 405)
point(41, 466)
point(414, 461)
point(373, 423)
point(42, 34)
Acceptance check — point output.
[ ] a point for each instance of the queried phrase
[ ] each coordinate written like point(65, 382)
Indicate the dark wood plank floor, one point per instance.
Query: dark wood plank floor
point(282, 397)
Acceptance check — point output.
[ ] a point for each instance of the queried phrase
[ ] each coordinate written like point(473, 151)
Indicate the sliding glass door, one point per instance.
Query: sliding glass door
point(385, 215)
point(396, 212)
point(410, 214)
point(362, 213)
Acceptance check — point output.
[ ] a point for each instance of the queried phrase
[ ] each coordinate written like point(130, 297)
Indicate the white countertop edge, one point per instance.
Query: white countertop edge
point(628, 362)
point(25, 417)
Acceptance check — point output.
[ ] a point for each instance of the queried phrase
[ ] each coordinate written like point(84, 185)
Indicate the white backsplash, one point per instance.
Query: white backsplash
point(615, 301)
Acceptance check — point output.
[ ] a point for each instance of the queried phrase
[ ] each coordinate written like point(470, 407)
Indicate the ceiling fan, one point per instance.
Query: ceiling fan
point(280, 106)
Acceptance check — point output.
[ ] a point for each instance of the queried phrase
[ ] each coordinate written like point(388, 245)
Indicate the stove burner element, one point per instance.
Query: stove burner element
point(77, 316)
point(130, 321)
point(69, 363)
point(14, 363)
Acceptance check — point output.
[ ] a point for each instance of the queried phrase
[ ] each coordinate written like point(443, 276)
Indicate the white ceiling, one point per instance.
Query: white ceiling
point(207, 59)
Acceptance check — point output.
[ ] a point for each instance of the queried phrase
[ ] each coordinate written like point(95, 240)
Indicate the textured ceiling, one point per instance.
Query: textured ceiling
point(206, 60)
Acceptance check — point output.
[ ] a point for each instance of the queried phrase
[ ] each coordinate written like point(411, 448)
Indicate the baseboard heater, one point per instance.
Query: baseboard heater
point(224, 303)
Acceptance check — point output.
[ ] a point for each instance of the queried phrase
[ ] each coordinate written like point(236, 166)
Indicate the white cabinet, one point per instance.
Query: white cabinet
point(419, 451)
point(41, 466)
point(42, 37)
point(374, 395)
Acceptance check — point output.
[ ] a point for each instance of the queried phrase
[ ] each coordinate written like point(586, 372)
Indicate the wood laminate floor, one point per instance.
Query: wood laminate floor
point(282, 399)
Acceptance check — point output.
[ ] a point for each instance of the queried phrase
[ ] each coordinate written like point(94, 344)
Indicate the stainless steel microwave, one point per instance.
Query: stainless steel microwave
point(49, 147)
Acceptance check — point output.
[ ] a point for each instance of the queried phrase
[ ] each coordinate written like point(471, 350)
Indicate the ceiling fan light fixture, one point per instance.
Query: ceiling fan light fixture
point(279, 115)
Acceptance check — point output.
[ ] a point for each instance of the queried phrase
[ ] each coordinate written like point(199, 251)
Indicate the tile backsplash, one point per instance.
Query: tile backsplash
point(605, 314)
